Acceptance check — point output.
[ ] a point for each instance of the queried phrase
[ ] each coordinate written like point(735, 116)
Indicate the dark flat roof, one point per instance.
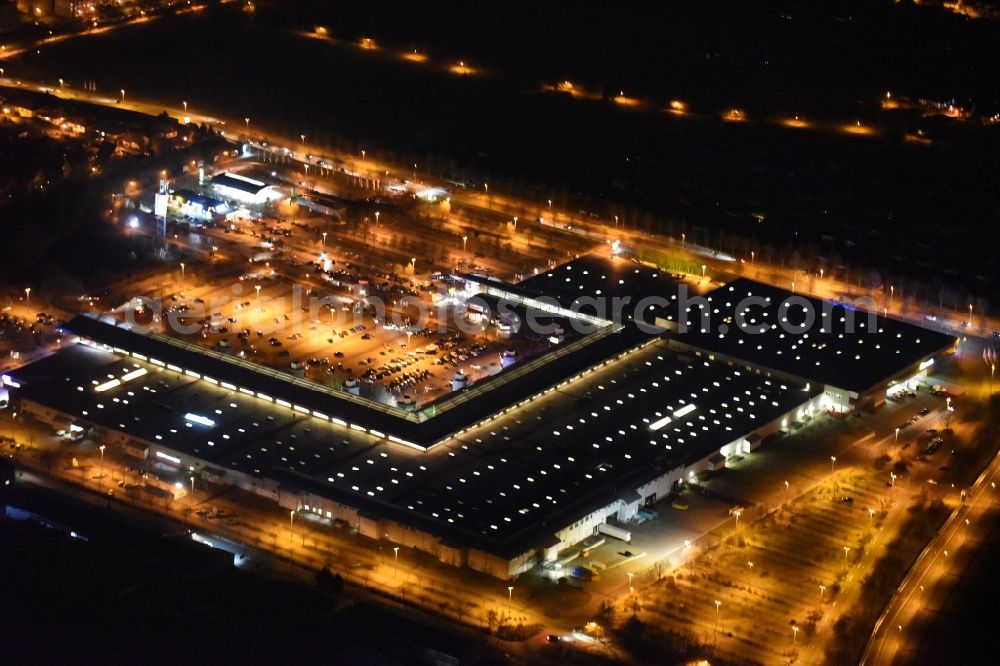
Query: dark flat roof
point(846, 348)
point(503, 487)
point(430, 425)
point(599, 277)
point(241, 184)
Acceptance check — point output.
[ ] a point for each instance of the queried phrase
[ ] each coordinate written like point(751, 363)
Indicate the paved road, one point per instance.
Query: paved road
point(890, 636)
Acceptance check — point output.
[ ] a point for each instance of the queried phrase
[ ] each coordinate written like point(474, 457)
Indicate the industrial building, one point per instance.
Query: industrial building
point(503, 475)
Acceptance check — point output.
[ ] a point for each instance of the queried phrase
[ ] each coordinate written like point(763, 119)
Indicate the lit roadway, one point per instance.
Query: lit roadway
point(891, 638)
point(542, 214)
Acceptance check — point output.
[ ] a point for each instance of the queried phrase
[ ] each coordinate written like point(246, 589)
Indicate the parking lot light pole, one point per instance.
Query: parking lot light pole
point(715, 638)
point(100, 474)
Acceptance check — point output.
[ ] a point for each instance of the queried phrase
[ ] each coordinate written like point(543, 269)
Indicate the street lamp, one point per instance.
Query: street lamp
point(185, 107)
point(795, 633)
point(786, 492)
point(630, 574)
point(192, 492)
point(847, 549)
point(703, 267)
point(377, 214)
point(324, 239)
point(749, 571)
point(515, 224)
point(465, 240)
point(833, 461)
point(257, 289)
point(100, 475)
point(715, 638)
point(413, 265)
point(970, 315)
point(822, 589)
point(897, 437)
point(123, 95)
point(395, 561)
point(27, 295)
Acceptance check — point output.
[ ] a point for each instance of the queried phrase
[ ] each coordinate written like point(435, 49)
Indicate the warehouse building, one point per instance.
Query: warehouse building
point(504, 475)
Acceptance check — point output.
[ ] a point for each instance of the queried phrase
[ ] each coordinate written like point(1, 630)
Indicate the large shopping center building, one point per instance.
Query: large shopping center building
point(502, 475)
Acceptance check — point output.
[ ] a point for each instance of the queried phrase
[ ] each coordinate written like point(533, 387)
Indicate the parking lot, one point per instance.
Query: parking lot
point(333, 334)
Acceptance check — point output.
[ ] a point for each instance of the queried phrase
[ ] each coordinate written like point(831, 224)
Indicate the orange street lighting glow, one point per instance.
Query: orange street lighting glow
point(320, 30)
point(796, 122)
point(415, 56)
point(735, 115)
point(624, 100)
point(678, 107)
point(368, 43)
point(858, 128)
point(461, 68)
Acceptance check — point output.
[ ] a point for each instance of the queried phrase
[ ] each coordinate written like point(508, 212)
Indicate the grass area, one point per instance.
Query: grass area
point(853, 628)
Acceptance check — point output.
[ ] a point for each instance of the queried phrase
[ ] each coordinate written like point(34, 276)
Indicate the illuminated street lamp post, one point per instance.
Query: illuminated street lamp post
point(100, 474)
point(630, 575)
point(27, 295)
point(847, 549)
point(185, 107)
point(324, 239)
point(465, 240)
point(715, 637)
point(515, 224)
point(257, 289)
point(833, 461)
point(192, 492)
point(123, 95)
point(413, 265)
point(970, 315)
point(786, 492)
point(395, 562)
point(822, 589)
point(749, 571)
point(703, 267)
point(795, 633)
point(897, 437)
point(291, 525)
point(737, 512)
point(377, 214)
point(510, 598)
